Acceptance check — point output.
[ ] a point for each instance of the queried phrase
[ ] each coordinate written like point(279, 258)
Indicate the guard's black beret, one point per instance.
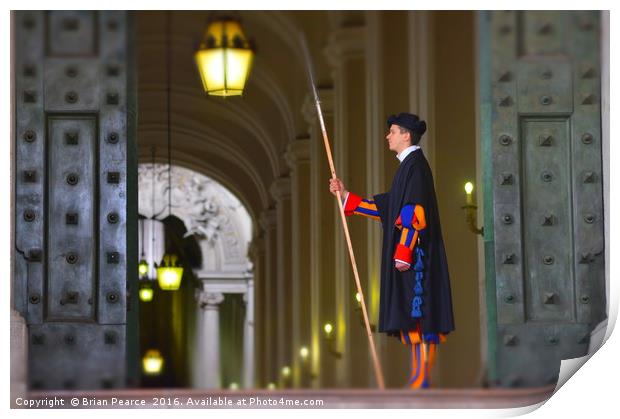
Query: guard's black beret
point(408, 120)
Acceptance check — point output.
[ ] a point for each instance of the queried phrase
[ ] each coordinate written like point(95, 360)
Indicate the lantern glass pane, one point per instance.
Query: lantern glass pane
point(238, 63)
point(211, 68)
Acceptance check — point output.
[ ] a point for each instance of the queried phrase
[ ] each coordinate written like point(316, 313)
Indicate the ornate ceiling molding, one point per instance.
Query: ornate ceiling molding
point(202, 142)
point(345, 43)
point(209, 211)
point(281, 188)
point(238, 113)
point(297, 151)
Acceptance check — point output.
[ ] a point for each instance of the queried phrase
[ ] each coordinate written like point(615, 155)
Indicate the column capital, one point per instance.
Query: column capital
point(247, 293)
point(281, 188)
point(345, 43)
point(308, 108)
point(297, 151)
point(208, 300)
point(344, 18)
point(256, 247)
point(268, 219)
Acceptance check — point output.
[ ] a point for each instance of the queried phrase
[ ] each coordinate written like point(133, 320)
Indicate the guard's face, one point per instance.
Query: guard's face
point(396, 141)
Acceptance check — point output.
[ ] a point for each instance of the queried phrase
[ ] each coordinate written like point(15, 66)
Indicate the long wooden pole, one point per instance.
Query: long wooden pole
point(373, 350)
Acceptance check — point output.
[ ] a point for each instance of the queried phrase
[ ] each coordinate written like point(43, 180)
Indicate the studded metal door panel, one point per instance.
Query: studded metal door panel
point(547, 189)
point(71, 195)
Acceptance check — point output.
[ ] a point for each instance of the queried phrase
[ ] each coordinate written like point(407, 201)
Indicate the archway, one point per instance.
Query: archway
point(211, 229)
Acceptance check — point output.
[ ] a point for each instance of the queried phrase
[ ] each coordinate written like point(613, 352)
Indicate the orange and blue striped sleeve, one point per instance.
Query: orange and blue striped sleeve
point(411, 220)
point(355, 204)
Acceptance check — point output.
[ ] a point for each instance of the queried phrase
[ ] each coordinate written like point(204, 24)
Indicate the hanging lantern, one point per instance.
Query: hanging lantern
point(143, 267)
point(146, 293)
point(152, 362)
point(169, 273)
point(224, 58)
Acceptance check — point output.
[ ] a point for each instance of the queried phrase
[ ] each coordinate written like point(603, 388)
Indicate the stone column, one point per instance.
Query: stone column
point(281, 191)
point(197, 373)
point(209, 364)
point(421, 54)
point(345, 52)
point(322, 204)
point(257, 255)
point(298, 159)
point(269, 295)
point(376, 147)
point(248, 337)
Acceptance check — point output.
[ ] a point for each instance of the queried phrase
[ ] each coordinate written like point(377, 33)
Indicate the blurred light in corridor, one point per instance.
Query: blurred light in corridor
point(328, 328)
point(233, 386)
point(169, 273)
point(143, 268)
point(146, 293)
point(271, 386)
point(304, 352)
point(152, 363)
point(358, 297)
point(224, 58)
point(331, 342)
point(286, 371)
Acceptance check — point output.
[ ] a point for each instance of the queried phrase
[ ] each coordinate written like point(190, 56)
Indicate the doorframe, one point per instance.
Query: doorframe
point(484, 131)
point(132, 322)
point(605, 93)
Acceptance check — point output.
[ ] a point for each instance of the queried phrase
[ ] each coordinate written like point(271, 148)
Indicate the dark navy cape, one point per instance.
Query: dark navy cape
point(413, 184)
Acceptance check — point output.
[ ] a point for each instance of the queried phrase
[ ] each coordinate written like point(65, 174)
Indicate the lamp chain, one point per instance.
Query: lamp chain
point(168, 71)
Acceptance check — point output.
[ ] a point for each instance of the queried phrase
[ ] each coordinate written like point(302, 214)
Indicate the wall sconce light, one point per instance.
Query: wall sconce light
point(358, 308)
point(328, 330)
point(303, 353)
point(470, 211)
point(305, 366)
point(271, 386)
point(285, 377)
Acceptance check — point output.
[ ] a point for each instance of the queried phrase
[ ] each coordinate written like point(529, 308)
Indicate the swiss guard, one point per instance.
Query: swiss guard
point(415, 301)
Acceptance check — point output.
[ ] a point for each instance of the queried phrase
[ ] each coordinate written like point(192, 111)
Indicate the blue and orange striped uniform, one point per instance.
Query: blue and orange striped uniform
point(411, 222)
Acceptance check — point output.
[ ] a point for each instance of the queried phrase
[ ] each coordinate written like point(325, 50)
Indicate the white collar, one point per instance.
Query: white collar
point(401, 156)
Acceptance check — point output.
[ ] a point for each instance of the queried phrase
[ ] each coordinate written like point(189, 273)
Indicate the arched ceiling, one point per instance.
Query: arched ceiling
point(238, 141)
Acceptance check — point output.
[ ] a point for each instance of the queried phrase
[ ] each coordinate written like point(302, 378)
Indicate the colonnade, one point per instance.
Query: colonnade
point(303, 275)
